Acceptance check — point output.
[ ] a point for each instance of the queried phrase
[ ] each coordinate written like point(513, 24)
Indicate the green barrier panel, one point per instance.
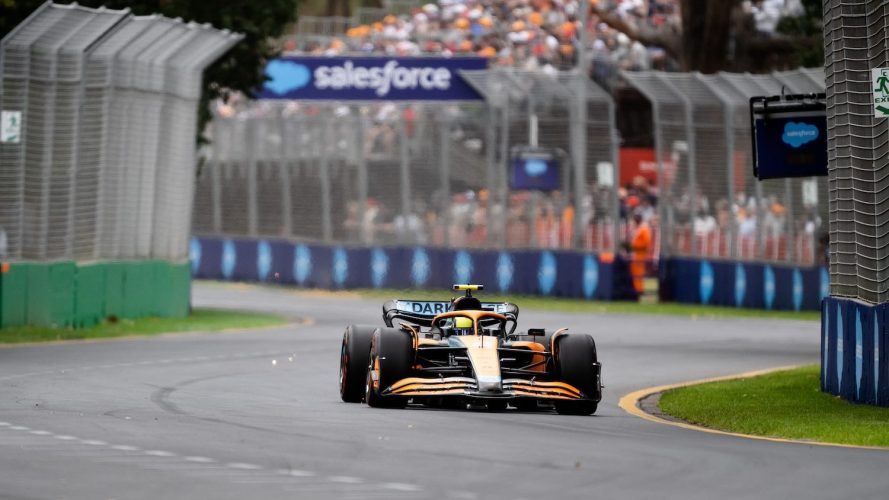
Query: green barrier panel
point(114, 297)
point(90, 298)
point(65, 294)
point(14, 296)
point(180, 304)
point(39, 305)
point(62, 286)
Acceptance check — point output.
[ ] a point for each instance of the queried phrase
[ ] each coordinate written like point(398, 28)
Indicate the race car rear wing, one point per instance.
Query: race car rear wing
point(421, 312)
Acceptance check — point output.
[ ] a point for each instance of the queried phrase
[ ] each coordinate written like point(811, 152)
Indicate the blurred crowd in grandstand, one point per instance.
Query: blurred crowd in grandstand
point(539, 35)
point(547, 220)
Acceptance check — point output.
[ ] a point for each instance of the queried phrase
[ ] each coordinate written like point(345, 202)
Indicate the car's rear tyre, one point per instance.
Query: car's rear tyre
point(354, 358)
point(391, 354)
point(576, 364)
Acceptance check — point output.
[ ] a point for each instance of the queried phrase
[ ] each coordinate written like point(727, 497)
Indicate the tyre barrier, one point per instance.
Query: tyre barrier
point(752, 285)
point(854, 340)
point(527, 272)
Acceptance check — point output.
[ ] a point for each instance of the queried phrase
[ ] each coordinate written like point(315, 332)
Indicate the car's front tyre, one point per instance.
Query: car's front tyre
point(391, 353)
point(576, 362)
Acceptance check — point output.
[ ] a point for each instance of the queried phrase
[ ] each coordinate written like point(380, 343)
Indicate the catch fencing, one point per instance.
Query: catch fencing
point(709, 203)
point(438, 174)
point(97, 158)
point(381, 173)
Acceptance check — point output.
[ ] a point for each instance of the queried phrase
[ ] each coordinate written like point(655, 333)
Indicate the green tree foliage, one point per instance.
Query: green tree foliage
point(240, 69)
point(807, 27)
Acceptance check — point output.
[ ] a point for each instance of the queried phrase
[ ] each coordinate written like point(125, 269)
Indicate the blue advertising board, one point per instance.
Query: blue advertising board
point(371, 78)
point(791, 146)
point(309, 265)
point(854, 359)
point(753, 285)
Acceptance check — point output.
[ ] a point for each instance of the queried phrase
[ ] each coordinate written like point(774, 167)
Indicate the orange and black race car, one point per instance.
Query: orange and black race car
point(461, 352)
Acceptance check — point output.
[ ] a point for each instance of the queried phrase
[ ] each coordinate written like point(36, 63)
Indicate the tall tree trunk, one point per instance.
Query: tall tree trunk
point(705, 35)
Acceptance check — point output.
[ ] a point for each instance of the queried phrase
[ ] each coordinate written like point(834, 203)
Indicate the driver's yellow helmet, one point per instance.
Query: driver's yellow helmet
point(462, 322)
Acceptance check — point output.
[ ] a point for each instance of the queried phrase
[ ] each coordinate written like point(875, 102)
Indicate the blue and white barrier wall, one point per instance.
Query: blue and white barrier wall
point(853, 351)
point(538, 272)
point(743, 284)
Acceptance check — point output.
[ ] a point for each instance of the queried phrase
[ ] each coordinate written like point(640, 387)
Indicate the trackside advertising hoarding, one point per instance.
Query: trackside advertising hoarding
point(371, 78)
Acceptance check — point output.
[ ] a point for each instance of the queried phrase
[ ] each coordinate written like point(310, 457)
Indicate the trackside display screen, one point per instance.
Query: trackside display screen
point(535, 173)
point(791, 145)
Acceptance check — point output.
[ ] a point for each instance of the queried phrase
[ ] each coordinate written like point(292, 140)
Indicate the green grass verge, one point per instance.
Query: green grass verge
point(587, 306)
point(199, 320)
point(786, 404)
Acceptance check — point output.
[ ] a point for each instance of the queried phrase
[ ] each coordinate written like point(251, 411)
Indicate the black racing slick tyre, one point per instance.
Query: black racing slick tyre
point(576, 364)
point(391, 355)
point(354, 358)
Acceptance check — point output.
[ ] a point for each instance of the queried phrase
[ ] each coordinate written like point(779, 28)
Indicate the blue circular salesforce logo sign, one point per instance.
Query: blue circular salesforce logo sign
point(547, 272)
point(302, 264)
point(740, 285)
point(339, 271)
point(420, 267)
point(768, 286)
point(229, 258)
point(379, 267)
point(285, 76)
point(825, 283)
point(706, 282)
point(263, 260)
point(797, 290)
point(462, 267)
point(194, 253)
point(590, 276)
point(505, 271)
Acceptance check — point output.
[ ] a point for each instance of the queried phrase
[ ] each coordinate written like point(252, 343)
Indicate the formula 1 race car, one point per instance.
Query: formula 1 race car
point(450, 354)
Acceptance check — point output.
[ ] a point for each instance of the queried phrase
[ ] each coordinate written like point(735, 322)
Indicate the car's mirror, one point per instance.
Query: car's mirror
point(536, 332)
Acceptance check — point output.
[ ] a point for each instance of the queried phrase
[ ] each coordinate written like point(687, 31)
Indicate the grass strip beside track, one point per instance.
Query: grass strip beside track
point(785, 404)
point(204, 320)
point(586, 306)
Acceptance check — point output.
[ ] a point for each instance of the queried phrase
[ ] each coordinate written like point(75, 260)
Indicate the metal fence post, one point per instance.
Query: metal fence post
point(361, 159)
point(495, 194)
point(324, 165)
point(216, 177)
point(405, 171)
point(252, 195)
point(444, 138)
point(692, 159)
point(579, 148)
point(284, 172)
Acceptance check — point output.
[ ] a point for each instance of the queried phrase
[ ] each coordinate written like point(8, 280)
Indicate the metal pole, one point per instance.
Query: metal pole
point(252, 215)
point(615, 169)
point(491, 177)
point(728, 124)
point(215, 175)
point(692, 159)
point(579, 160)
point(445, 172)
point(361, 159)
point(504, 155)
point(284, 171)
point(404, 160)
point(324, 166)
point(580, 157)
point(789, 222)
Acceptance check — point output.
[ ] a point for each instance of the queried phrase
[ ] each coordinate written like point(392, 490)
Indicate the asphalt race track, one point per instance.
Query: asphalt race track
point(258, 415)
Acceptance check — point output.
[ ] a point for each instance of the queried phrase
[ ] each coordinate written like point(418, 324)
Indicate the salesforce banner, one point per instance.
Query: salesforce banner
point(752, 285)
point(854, 361)
point(544, 272)
point(371, 78)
